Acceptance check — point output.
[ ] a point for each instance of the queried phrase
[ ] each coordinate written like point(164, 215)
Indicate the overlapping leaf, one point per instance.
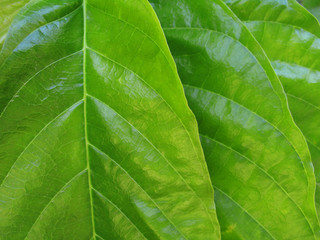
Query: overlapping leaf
point(293, 46)
point(96, 138)
point(258, 159)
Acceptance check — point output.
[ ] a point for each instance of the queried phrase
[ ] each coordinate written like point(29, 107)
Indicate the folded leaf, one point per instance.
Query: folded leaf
point(257, 157)
point(8, 9)
point(96, 137)
point(293, 46)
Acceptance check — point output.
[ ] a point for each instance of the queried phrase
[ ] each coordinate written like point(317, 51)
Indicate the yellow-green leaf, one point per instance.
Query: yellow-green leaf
point(258, 158)
point(96, 138)
point(293, 46)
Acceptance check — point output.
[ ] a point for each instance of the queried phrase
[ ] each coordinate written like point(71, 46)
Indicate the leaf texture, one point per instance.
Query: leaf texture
point(257, 157)
point(313, 7)
point(293, 46)
point(96, 137)
point(8, 9)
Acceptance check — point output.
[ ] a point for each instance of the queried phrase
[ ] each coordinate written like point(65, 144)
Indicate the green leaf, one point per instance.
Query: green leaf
point(96, 137)
point(313, 6)
point(293, 46)
point(286, 12)
point(8, 9)
point(257, 157)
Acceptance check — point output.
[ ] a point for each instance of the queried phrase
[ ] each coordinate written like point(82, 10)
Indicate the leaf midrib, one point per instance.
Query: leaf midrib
point(84, 99)
point(84, 7)
point(178, 117)
point(66, 110)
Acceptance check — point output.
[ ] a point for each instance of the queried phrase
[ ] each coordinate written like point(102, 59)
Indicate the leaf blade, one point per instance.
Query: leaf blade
point(239, 101)
point(8, 10)
point(295, 58)
point(82, 55)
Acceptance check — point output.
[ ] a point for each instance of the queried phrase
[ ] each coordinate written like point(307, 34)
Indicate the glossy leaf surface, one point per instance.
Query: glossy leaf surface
point(294, 49)
point(8, 9)
point(257, 157)
point(96, 138)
